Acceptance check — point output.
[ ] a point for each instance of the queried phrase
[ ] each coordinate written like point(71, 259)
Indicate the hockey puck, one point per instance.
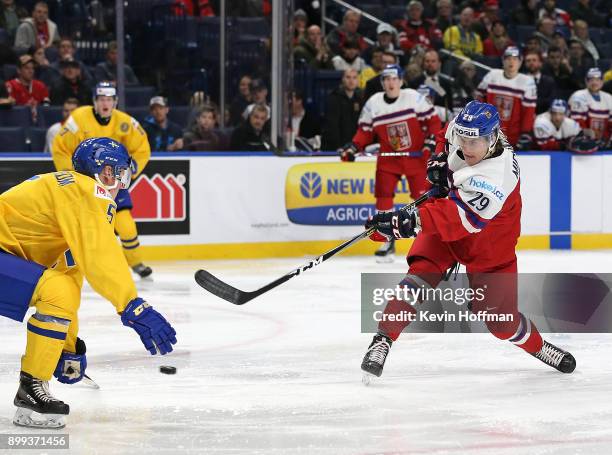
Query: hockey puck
point(167, 369)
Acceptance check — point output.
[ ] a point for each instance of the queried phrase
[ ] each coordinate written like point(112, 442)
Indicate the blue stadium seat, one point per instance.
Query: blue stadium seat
point(139, 113)
point(252, 26)
point(13, 139)
point(208, 32)
point(48, 115)
point(4, 36)
point(179, 115)
point(139, 95)
point(604, 64)
point(9, 71)
point(324, 82)
point(183, 29)
point(38, 138)
point(394, 13)
point(523, 32)
point(16, 116)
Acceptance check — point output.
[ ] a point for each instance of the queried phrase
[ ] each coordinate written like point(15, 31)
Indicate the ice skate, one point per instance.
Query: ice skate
point(36, 407)
point(143, 271)
point(556, 358)
point(374, 359)
point(386, 253)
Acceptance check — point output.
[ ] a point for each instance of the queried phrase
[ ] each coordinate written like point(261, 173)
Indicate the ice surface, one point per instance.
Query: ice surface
point(281, 375)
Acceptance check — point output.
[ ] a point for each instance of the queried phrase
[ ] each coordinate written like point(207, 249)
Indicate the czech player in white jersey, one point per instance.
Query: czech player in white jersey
point(554, 130)
point(592, 107)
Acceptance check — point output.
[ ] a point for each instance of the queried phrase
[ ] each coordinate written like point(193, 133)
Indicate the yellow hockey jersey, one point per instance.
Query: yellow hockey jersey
point(82, 125)
point(67, 216)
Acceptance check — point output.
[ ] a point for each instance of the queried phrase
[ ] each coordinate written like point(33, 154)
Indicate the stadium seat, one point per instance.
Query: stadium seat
point(208, 35)
point(139, 113)
point(324, 83)
point(48, 115)
point(4, 36)
point(252, 26)
point(523, 32)
point(9, 71)
point(13, 139)
point(138, 95)
point(183, 29)
point(179, 115)
point(16, 116)
point(393, 13)
point(38, 138)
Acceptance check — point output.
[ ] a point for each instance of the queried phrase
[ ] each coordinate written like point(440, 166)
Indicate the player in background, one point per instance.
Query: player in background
point(405, 124)
point(592, 108)
point(104, 120)
point(56, 229)
point(477, 225)
point(515, 97)
point(554, 130)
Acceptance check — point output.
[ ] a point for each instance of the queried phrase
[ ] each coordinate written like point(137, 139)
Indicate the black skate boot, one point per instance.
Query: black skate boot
point(374, 359)
point(142, 270)
point(36, 407)
point(556, 358)
point(386, 253)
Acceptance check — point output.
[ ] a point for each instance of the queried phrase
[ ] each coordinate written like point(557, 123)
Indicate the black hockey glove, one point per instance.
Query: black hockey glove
point(429, 146)
point(437, 173)
point(401, 224)
point(525, 142)
point(584, 144)
point(347, 152)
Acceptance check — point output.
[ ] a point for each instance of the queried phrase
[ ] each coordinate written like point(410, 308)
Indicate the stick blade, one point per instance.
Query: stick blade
point(221, 289)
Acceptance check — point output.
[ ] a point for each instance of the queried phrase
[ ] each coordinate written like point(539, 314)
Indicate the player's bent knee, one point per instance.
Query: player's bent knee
point(18, 281)
point(58, 295)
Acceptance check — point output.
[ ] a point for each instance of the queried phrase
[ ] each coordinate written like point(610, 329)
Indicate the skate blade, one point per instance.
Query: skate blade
point(28, 418)
point(388, 259)
point(367, 378)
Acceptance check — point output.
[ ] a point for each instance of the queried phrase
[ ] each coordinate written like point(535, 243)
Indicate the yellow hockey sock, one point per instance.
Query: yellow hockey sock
point(125, 226)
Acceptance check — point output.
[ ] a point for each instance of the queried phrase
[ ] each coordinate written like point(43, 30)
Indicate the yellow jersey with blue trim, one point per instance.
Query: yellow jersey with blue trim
point(66, 219)
point(82, 124)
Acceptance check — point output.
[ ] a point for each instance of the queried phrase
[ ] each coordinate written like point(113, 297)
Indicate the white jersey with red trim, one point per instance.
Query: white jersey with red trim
point(400, 125)
point(593, 111)
point(548, 136)
point(515, 100)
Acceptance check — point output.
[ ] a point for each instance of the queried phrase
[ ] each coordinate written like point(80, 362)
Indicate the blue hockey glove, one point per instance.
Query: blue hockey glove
point(155, 332)
point(437, 173)
point(394, 225)
point(71, 367)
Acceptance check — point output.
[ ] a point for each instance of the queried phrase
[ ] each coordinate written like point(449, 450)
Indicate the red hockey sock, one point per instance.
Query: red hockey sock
point(527, 336)
point(395, 318)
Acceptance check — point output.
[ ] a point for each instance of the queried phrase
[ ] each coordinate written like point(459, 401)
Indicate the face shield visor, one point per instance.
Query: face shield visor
point(122, 178)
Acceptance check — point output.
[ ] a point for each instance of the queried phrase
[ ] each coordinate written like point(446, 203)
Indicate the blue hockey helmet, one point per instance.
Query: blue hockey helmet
point(559, 105)
point(392, 70)
point(104, 89)
point(92, 155)
point(478, 120)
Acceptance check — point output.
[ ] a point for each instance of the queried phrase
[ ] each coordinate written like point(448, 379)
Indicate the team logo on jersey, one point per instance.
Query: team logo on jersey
point(124, 127)
point(598, 126)
point(102, 192)
point(504, 106)
point(334, 193)
point(399, 136)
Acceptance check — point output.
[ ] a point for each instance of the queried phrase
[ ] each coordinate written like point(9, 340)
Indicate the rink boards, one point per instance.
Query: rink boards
point(240, 205)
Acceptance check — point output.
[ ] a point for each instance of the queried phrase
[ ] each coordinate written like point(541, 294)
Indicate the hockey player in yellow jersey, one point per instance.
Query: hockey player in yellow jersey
point(55, 230)
point(104, 120)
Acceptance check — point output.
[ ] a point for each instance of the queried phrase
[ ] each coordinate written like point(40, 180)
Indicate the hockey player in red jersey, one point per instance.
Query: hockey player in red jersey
point(477, 225)
point(404, 123)
point(514, 95)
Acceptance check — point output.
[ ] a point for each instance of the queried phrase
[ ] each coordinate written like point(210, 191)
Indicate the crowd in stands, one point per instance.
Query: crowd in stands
point(558, 49)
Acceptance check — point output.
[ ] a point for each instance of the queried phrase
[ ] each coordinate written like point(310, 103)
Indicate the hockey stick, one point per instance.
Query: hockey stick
point(87, 380)
point(223, 290)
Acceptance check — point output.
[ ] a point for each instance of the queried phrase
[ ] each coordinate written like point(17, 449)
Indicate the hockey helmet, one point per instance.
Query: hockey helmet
point(92, 155)
point(478, 120)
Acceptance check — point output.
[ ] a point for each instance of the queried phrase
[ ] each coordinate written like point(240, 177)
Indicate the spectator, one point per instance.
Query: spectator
point(349, 57)
point(498, 40)
point(198, 8)
point(9, 19)
point(545, 85)
point(163, 134)
point(526, 14)
point(26, 90)
point(558, 68)
point(304, 124)
point(241, 100)
point(372, 71)
point(545, 29)
point(201, 137)
point(42, 70)
point(579, 60)
point(69, 105)
point(336, 39)
point(485, 21)
point(592, 108)
point(67, 51)
point(385, 40)
point(582, 10)
point(300, 22)
point(342, 114)
point(70, 85)
point(533, 44)
point(461, 39)
point(444, 19)
point(441, 88)
point(36, 31)
point(6, 101)
point(374, 85)
point(312, 50)
point(259, 96)
point(465, 84)
point(560, 17)
point(107, 71)
point(415, 31)
point(581, 33)
point(560, 42)
point(252, 135)
point(554, 130)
